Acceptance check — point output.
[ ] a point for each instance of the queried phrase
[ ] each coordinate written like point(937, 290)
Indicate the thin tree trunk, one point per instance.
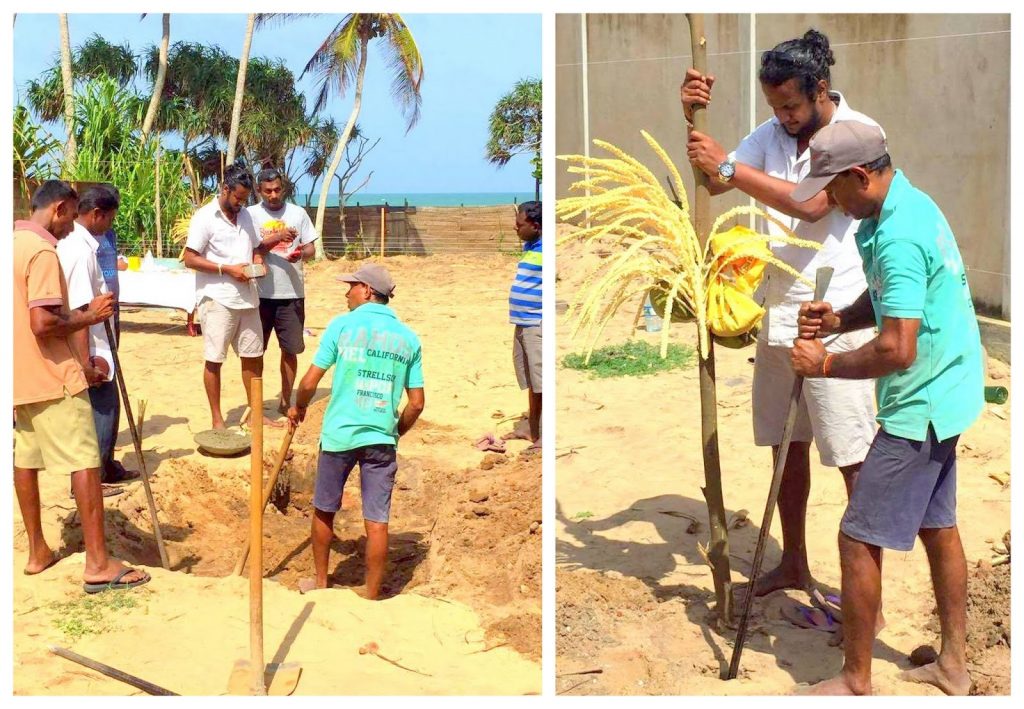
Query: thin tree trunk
point(339, 152)
point(71, 147)
point(236, 111)
point(156, 204)
point(158, 84)
point(718, 548)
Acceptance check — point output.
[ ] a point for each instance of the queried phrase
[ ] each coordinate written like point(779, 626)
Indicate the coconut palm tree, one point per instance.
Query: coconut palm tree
point(71, 149)
point(236, 111)
point(158, 83)
point(515, 127)
point(341, 60)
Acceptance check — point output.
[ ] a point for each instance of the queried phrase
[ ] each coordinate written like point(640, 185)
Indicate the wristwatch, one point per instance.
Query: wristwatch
point(727, 168)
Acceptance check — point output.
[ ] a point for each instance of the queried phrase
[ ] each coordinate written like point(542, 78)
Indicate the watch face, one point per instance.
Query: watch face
point(726, 170)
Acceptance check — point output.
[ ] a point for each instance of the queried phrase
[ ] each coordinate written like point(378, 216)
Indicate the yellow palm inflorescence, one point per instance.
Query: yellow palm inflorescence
point(659, 251)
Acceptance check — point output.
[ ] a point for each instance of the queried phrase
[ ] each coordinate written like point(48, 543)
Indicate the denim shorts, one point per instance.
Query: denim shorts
point(903, 487)
point(377, 467)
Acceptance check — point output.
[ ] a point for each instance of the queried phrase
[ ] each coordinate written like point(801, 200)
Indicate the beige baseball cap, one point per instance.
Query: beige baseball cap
point(373, 275)
point(836, 148)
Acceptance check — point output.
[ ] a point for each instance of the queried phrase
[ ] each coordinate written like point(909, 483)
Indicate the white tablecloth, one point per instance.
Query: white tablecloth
point(168, 289)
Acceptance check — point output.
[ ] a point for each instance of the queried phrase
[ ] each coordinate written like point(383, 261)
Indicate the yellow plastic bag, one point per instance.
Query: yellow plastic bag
point(739, 257)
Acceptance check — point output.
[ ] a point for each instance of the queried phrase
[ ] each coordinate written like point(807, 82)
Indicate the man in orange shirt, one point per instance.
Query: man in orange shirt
point(55, 429)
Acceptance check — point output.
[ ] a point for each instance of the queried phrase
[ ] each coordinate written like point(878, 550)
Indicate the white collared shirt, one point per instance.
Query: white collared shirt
point(215, 238)
point(772, 150)
point(77, 254)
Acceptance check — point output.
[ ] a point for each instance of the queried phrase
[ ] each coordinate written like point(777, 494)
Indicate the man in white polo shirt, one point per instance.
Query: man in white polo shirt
point(222, 245)
point(97, 208)
point(839, 415)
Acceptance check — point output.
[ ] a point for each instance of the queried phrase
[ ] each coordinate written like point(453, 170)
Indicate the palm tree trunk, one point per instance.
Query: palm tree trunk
point(718, 548)
point(339, 152)
point(236, 111)
point(71, 148)
point(161, 75)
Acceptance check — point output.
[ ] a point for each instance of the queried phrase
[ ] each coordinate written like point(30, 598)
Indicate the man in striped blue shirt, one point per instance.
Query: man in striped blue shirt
point(524, 311)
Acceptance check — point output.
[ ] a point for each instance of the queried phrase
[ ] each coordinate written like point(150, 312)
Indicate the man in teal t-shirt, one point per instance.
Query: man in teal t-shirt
point(927, 361)
point(376, 358)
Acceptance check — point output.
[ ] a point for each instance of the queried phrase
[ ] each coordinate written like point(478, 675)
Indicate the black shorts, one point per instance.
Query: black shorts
point(286, 317)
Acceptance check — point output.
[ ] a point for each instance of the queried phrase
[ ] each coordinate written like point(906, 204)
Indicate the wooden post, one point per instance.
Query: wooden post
point(718, 547)
point(256, 537)
point(159, 231)
point(383, 225)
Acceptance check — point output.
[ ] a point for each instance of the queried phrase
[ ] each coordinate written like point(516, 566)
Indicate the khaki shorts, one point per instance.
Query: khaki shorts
point(222, 326)
point(837, 414)
point(526, 356)
point(57, 435)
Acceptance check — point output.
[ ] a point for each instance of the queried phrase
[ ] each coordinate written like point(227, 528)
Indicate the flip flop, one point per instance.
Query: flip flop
point(809, 617)
point(488, 442)
point(115, 583)
point(829, 603)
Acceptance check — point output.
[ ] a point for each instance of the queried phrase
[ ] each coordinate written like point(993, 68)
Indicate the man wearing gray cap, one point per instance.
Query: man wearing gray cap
point(927, 360)
point(376, 358)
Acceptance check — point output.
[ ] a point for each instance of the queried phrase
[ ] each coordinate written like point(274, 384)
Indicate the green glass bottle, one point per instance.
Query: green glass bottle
point(996, 395)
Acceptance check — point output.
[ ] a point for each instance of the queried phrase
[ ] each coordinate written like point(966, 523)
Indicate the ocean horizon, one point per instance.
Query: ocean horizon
point(421, 199)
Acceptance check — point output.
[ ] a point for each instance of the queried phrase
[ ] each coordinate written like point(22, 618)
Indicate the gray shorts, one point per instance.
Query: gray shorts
point(527, 357)
point(903, 487)
point(377, 467)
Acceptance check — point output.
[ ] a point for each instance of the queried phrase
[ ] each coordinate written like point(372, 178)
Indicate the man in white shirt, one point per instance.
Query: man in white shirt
point(839, 415)
point(222, 246)
point(97, 208)
point(282, 292)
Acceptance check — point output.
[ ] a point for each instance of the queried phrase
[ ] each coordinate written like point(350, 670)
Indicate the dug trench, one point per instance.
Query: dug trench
point(468, 535)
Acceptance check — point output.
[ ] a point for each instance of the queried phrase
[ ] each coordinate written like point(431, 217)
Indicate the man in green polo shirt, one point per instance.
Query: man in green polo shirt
point(927, 361)
point(376, 358)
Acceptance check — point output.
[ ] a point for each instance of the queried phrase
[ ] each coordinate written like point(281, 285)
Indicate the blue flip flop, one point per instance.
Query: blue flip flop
point(116, 584)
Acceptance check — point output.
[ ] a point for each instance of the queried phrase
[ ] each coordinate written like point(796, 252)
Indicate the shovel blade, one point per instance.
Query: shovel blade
point(279, 678)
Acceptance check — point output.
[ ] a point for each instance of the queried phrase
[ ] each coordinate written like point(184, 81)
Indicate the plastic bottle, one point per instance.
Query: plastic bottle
point(652, 323)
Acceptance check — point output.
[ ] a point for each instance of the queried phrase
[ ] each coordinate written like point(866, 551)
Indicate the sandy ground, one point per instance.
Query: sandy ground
point(462, 594)
point(633, 594)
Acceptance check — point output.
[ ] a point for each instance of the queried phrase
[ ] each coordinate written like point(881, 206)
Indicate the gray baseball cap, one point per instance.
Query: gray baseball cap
point(373, 275)
point(836, 148)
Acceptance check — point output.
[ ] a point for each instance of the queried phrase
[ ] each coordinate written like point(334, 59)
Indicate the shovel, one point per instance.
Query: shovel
point(821, 281)
point(137, 440)
point(252, 676)
point(271, 482)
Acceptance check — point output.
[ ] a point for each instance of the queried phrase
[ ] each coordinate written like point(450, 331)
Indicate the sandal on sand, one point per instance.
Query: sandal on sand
point(488, 442)
point(109, 490)
point(115, 584)
point(828, 603)
point(809, 617)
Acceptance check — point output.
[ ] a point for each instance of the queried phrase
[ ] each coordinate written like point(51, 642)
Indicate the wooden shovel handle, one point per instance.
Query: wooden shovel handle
point(271, 482)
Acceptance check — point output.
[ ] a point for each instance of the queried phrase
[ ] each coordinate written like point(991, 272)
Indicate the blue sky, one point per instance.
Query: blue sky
point(470, 61)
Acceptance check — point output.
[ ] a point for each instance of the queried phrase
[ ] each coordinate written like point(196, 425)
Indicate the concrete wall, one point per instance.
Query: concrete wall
point(939, 85)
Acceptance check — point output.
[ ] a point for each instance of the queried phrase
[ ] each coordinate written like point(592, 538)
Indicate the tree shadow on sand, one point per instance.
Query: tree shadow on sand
point(654, 562)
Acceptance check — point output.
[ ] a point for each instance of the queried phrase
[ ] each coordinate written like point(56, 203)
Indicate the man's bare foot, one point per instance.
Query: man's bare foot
point(307, 585)
point(516, 435)
point(38, 565)
point(218, 425)
point(113, 569)
point(956, 683)
point(272, 423)
point(778, 578)
point(840, 685)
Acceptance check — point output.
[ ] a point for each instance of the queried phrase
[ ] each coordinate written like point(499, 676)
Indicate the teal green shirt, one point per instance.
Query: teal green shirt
point(376, 359)
point(914, 271)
